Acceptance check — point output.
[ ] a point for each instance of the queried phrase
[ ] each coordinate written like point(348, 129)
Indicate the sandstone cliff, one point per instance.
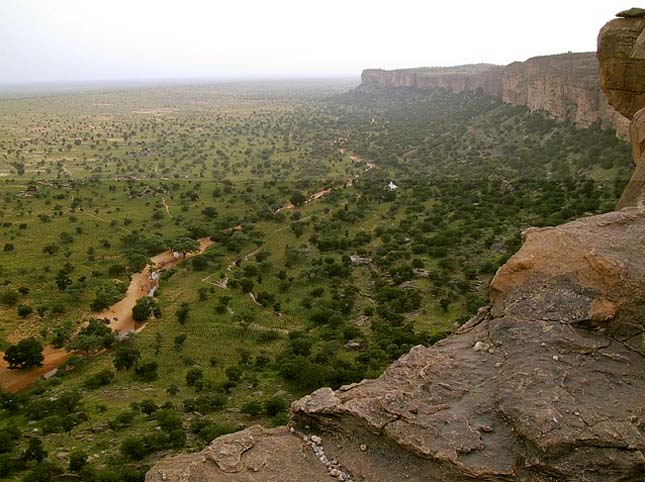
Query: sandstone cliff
point(546, 385)
point(621, 51)
point(564, 86)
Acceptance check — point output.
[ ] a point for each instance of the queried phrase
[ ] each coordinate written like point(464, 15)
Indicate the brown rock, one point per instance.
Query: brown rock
point(252, 454)
point(567, 321)
point(632, 13)
point(621, 53)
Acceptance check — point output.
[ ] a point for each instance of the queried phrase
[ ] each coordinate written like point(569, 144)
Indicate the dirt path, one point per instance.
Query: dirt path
point(119, 314)
point(165, 205)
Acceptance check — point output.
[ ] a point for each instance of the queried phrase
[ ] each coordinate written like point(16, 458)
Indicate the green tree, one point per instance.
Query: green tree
point(27, 353)
point(185, 245)
point(126, 356)
point(63, 280)
point(96, 336)
point(183, 313)
point(298, 199)
point(144, 308)
point(35, 450)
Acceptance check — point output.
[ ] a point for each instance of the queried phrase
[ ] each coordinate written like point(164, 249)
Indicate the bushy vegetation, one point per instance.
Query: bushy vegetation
point(319, 274)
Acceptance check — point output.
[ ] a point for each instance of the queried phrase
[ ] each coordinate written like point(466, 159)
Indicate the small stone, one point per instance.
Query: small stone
point(481, 346)
point(316, 439)
point(556, 357)
point(334, 472)
point(363, 447)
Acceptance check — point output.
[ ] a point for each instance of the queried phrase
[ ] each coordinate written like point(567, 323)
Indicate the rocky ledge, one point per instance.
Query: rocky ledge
point(545, 385)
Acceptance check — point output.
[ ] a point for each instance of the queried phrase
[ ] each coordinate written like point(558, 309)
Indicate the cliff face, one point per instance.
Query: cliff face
point(564, 86)
point(621, 52)
point(545, 385)
point(456, 79)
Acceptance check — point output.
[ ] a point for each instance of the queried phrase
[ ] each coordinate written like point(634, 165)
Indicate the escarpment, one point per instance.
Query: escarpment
point(565, 87)
point(544, 385)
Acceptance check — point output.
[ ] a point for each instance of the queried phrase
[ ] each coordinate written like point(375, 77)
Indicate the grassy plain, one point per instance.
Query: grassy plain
point(93, 181)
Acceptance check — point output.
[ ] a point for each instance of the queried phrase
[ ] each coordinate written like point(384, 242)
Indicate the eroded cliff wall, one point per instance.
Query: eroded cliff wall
point(564, 86)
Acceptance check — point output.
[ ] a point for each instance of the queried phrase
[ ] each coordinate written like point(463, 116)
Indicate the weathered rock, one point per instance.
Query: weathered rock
point(632, 13)
point(621, 53)
point(252, 454)
point(563, 86)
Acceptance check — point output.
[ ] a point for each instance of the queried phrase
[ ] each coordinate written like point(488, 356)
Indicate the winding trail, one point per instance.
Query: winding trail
point(119, 314)
point(165, 205)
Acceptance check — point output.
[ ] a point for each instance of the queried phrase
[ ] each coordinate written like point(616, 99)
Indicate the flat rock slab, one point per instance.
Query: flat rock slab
point(254, 454)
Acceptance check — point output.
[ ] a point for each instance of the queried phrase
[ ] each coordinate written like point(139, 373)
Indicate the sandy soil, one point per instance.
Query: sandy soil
point(119, 314)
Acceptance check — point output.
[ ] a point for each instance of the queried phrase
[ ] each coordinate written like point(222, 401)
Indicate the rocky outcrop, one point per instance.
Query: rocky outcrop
point(621, 52)
point(457, 79)
point(545, 385)
point(563, 86)
point(270, 455)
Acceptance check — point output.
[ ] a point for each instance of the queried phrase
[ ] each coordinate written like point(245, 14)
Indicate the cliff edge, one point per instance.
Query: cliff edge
point(544, 385)
point(565, 86)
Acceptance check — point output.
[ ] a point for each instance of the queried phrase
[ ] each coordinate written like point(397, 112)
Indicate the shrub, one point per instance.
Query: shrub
point(9, 296)
point(133, 448)
point(100, 379)
point(147, 371)
point(274, 406)
point(77, 460)
point(193, 376)
point(252, 408)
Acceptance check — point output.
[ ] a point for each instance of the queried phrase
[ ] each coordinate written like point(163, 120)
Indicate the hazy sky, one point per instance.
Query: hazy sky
point(52, 40)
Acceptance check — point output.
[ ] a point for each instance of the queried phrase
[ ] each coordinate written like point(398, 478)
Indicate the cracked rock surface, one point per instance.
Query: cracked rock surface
point(256, 453)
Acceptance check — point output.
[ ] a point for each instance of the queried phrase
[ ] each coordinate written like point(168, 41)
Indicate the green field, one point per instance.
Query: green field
point(95, 182)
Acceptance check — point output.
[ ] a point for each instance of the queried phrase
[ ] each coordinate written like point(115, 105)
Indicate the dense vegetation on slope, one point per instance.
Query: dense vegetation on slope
point(320, 293)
